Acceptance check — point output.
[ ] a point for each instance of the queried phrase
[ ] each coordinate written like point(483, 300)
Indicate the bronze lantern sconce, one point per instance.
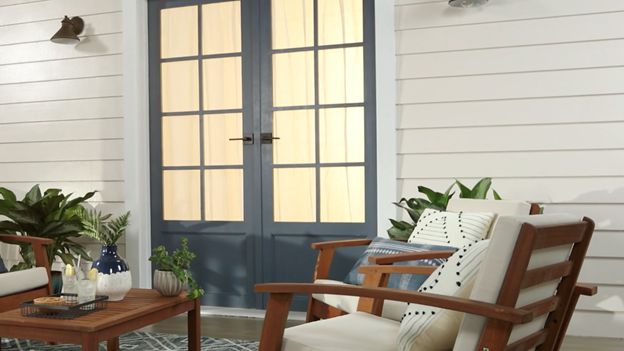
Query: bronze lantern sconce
point(68, 34)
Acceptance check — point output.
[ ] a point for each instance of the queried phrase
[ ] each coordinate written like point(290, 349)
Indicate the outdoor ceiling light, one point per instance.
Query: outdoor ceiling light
point(68, 34)
point(467, 3)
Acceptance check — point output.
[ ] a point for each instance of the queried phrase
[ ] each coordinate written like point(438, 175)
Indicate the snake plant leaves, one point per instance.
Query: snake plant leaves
point(496, 196)
point(437, 201)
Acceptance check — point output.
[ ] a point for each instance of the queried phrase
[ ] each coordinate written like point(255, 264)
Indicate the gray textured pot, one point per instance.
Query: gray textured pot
point(167, 284)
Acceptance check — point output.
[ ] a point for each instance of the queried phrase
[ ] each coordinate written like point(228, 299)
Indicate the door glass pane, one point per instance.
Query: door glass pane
point(222, 83)
point(342, 194)
point(219, 150)
point(221, 28)
point(293, 79)
point(292, 23)
point(339, 22)
point(294, 195)
point(180, 141)
point(341, 76)
point(224, 194)
point(178, 32)
point(180, 86)
point(295, 130)
point(341, 135)
point(181, 195)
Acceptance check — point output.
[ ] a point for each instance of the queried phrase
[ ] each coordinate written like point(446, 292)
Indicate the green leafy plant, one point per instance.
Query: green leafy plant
point(178, 263)
point(96, 227)
point(436, 201)
point(51, 215)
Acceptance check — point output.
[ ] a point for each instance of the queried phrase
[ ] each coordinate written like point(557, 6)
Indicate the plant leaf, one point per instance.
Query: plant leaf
point(7, 195)
point(464, 191)
point(431, 195)
point(479, 191)
point(496, 196)
point(33, 195)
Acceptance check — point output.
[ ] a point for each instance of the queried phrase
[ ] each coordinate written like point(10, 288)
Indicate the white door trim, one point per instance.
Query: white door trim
point(136, 140)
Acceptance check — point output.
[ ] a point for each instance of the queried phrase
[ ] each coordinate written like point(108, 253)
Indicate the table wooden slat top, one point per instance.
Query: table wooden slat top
point(136, 302)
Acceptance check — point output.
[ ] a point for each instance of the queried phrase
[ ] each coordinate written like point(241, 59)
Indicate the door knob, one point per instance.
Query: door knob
point(267, 138)
point(248, 139)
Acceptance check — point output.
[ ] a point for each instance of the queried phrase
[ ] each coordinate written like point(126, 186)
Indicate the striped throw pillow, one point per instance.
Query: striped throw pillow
point(454, 229)
point(432, 328)
point(383, 246)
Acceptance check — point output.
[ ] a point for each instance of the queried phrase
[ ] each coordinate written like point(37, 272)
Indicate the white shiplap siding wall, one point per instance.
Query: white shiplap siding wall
point(531, 93)
point(61, 113)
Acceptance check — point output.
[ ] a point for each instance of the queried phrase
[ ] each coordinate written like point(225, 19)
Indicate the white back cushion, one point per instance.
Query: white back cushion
point(499, 207)
point(24, 280)
point(426, 328)
point(490, 279)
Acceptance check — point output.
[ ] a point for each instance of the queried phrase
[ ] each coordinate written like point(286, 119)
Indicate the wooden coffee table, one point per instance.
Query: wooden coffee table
point(140, 308)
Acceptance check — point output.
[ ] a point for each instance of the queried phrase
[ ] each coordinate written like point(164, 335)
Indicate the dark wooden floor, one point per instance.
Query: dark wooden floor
point(245, 328)
point(242, 328)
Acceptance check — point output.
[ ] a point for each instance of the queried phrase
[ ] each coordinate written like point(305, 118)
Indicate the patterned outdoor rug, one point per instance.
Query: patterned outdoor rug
point(139, 341)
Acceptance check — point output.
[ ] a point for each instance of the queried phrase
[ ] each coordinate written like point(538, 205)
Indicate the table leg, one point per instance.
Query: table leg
point(89, 342)
point(194, 323)
point(112, 344)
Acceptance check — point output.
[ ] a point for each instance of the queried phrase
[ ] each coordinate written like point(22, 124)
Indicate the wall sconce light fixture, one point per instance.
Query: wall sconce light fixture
point(70, 28)
point(467, 3)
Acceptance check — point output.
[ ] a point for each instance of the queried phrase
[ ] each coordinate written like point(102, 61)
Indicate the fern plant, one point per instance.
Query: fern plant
point(96, 227)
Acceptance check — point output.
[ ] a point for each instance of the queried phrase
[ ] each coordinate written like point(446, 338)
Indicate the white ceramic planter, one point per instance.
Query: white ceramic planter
point(115, 285)
point(167, 284)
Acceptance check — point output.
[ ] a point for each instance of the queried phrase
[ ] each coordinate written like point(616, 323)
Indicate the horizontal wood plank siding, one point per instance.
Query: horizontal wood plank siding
point(61, 106)
point(529, 93)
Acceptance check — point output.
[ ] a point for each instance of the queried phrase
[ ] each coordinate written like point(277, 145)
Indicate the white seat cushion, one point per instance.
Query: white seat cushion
point(356, 331)
point(20, 281)
point(392, 309)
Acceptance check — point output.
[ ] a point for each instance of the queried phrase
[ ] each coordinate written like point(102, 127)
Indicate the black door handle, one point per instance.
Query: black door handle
point(248, 139)
point(267, 138)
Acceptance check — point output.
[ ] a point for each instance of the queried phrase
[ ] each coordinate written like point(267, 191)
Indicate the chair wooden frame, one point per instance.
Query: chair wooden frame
point(12, 302)
point(319, 310)
point(502, 316)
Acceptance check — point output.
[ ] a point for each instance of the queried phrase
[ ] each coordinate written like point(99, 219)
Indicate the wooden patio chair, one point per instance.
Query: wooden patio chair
point(521, 298)
point(323, 306)
point(25, 285)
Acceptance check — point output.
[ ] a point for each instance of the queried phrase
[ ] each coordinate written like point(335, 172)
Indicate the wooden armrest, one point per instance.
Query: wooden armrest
point(344, 243)
point(508, 314)
point(26, 239)
point(38, 247)
point(410, 256)
point(340, 243)
point(585, 289)
point(398, 269)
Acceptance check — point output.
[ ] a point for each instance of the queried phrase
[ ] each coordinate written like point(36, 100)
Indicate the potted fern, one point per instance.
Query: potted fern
point(173, 276)
point(51, 215)
point(114, 278)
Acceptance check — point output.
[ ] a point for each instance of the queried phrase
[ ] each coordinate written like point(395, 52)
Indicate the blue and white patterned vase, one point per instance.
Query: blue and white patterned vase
point(114, 279)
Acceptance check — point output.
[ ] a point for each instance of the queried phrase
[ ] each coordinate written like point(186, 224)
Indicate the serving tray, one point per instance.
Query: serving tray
point(70, 310)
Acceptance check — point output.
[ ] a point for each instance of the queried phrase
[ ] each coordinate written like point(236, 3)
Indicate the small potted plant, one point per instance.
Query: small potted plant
point(115, 279)
point(172, 277)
